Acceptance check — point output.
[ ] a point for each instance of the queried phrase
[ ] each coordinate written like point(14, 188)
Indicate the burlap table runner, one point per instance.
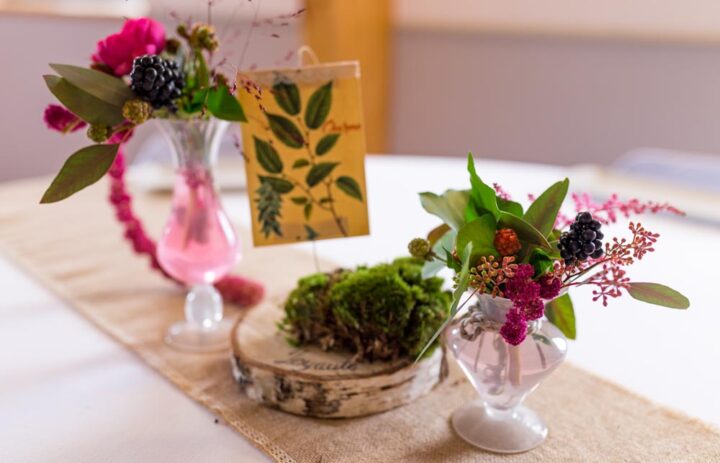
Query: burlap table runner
point(76, 249)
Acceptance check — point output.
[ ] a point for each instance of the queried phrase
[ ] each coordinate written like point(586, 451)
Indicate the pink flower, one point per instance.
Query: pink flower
point(549, 286)
point(58, 118)
point(515, 328)
point(138, 37)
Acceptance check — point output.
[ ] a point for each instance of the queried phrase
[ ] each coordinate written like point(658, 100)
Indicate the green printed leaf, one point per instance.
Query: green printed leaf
point(654, 293)
point(287, 96)
point(326, 143)
point(311, 233)
point(350, 187)
point(511, 207)
point(284, 129)
point(299, 200)
point(483, 196)
point(82, 169)
point(308, 211)
point(280, 185)
point(223, 105)
point(544, 210)
point(300, 163)
point(325, 200)
point(319, 172)
point(268, 156)
point(98, 84)
point(560, 312)
point(450, 207)
point(318, 106)
point(481, 234)
point(86, 106)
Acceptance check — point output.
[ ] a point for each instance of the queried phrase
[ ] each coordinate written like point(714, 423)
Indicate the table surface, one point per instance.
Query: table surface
point(67, 391)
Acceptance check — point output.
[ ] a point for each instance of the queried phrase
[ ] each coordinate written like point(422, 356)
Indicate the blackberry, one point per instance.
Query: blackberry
point(583, 240)
point(157, 81)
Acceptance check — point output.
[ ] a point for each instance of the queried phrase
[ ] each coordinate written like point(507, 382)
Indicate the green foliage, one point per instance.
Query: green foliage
point(541, 261)
point(267, 156)
point(318, 106)
point(287, 97)
point(560, 312)
point(223, 105)
point(111, 90)
point(319, 172)
point(383, 312)
point(86, 106)
point(481, 233)
point(269, 203)
point(82, 169)
point(511, 207)
point(326, 143)
point(349, 186)
point(483, 196)
point(544, 210)
point(280, 185)
point(450, 207)
point(285, 130)
point(529, 235)
point(654, 293)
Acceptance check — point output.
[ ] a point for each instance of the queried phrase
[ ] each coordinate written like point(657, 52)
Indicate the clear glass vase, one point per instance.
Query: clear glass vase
point(198, 245)
point(503, 375)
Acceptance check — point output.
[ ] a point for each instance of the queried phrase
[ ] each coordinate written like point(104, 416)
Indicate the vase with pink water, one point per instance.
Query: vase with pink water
point(198, 245)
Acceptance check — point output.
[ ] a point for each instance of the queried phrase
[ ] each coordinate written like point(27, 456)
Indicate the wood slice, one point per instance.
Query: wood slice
point(311, 382)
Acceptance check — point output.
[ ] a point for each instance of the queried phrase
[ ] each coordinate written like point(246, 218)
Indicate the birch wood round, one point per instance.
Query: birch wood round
point(311, 382)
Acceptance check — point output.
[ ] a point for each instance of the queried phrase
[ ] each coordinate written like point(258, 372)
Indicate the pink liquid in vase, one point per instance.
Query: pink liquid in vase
point(198, 245)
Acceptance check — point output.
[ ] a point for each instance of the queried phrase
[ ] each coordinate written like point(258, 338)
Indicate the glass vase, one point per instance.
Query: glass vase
point(503, 375)
point(198, 245)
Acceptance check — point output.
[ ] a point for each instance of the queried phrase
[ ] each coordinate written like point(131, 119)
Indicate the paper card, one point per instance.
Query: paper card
point(304, 148)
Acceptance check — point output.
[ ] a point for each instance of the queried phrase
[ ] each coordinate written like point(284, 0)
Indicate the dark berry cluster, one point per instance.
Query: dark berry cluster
point(157, 81)
point(583, 240)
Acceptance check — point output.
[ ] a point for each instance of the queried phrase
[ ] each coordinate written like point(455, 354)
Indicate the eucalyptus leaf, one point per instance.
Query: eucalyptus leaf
point(82, 169)
point(654, 293)
point(86, 106)
point(319, 172)
point(450, 207)
point(560, 312)
point(268, 156)
point(287, 97)
point(543, 212)
point(318, 106)
point(103, 86)
point(326, 143)
point(483, 196)
point(285, 131)
point(223, 105)
point(280, 185)
point(350, 187)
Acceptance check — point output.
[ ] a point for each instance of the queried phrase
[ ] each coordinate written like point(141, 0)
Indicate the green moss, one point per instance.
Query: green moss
point(378, 313)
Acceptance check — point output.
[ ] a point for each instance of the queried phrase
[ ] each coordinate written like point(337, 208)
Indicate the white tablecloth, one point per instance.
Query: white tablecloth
point(68, 393)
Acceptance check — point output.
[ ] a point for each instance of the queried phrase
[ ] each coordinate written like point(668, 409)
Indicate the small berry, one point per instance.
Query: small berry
point(137, 111)
point(157, 81)
point(506, 242)
point(582, 241)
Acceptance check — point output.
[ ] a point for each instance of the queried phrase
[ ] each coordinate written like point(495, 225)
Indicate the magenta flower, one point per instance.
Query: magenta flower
point(58, 118)
point(549, 286)
point(138, 37)
point(515, 328)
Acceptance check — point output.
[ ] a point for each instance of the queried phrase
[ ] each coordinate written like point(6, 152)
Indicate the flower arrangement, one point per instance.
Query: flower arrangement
point(136, 75)
point(533, 257)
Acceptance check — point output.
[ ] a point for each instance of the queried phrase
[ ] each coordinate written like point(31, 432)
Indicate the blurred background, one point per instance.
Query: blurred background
point(635, 85)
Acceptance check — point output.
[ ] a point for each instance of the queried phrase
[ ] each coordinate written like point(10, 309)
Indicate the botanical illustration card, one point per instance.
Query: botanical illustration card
point(304, 148)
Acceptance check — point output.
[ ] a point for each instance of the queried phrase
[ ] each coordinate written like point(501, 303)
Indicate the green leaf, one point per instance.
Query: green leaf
point(528, 234)
point(300, 163)
point(481, 233)
point(350, 187)
point(450, 207)
point(287, 96)
point(223, 105)
point(543, 212)
point(318, 106)
point(268, 156)
point(308, 211)
point(299, 200)
point(319, 172)
point(311, 233)
point(98, 84)
point(325, 200)
point(541, 261)
point(483, 196)
point(654, 293)
point(82, 168)
point(285, 131)
point(87, 107)
point(326, 143)
point(280, 185)
point(441, 246)
point(462, 281)
point(436, 233)
point(560, 312)
point(198, 102)
point(511, 207)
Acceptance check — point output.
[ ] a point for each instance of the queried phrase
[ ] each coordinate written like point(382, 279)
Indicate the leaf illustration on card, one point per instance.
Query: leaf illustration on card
point(300, 163)
point(318, 106)
point(287, 96)
point(268, 156)
point(285, 131)
point(280, 185)
point(319, 172)
point(326, 143)
point(350, 187)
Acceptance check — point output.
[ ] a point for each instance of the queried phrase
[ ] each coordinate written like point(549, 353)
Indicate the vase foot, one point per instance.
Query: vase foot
point(514, 431)
point(188, 337)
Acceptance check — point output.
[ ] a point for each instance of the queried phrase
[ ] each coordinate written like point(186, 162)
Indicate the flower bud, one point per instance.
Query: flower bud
point(420, 248)
point(172, 46)
point(99, 133)
point(137, 111)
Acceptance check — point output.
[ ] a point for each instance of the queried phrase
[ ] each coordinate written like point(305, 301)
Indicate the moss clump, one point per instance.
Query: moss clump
point(379, 313)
